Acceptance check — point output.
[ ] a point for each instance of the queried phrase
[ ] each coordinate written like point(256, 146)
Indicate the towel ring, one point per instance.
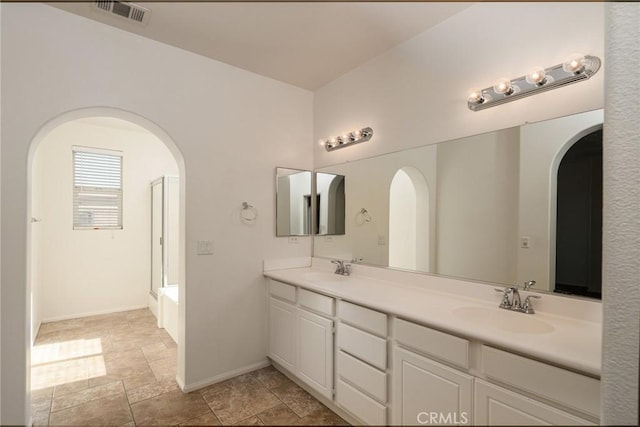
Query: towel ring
point(248, 213)
point(363, 216)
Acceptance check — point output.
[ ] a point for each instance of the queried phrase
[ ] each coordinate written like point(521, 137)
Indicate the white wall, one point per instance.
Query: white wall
point(54, 62)
point(542, 144)
point(477, 207)
point(87, 272)
point(416, 93)
point(621, 229)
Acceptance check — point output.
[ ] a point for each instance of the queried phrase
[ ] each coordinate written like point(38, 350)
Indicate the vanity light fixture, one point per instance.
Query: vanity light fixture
point(575, 68)
point(351, 138)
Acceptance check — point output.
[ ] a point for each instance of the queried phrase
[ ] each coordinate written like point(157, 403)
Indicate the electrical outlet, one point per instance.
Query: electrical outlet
point(382, 240)
point(328, 238)
point(205, 247)
point(293, 240)
point(525, 242)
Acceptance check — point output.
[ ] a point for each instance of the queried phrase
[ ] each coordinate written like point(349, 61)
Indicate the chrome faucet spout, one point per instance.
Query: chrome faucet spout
point(341, 268)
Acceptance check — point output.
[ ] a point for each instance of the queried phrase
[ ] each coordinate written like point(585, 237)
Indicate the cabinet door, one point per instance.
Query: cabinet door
point(282, 333)
point(315, 352)
point(427, 392)
point(498, 406)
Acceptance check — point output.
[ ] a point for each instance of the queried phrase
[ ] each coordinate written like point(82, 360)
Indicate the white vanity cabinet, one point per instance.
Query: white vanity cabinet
point(496, 405)
point(301, 334)
point(426, 391)
point(315, 342)
point(361, 355)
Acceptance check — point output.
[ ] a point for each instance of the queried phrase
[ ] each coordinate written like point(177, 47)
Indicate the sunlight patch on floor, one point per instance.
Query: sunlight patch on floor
point(66, 362)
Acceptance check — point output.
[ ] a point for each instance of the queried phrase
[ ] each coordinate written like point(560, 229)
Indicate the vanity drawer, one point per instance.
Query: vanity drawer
point(364, 376)
point(434, 343)
point(282, 290)
point(363, 407)
point(364, 318)
point(567, 388)
point(320, 303)
point(363, 345)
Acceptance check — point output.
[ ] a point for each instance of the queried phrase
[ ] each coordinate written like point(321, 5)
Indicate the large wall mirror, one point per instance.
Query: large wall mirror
point(504, 207)
point(293, 202)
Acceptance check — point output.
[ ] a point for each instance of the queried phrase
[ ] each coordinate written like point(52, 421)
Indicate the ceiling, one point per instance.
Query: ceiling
point(304, 44)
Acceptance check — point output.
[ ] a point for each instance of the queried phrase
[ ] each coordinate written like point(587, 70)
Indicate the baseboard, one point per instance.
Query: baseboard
point(187, 388)
point(92, 313)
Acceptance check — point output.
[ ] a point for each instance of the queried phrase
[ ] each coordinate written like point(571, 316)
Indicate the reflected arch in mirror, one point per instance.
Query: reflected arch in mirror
point(577, 215)
point(409, 219)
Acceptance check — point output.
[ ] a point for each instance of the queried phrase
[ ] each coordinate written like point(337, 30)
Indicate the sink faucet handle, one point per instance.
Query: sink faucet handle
point(505, 303)
point(347, 270)
point(527, 306)
point(529, 284)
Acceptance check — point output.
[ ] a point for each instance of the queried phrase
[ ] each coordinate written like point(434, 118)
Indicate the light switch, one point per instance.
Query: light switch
point(205, 247)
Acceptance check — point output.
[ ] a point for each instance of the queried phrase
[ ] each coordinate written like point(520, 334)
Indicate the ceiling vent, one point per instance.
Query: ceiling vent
point(125, 10)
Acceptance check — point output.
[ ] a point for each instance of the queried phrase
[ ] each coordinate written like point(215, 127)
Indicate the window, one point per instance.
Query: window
point(97, 189)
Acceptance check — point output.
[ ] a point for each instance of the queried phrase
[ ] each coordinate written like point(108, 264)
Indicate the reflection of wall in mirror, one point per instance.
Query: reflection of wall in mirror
point(541, 147)
point(293, 203)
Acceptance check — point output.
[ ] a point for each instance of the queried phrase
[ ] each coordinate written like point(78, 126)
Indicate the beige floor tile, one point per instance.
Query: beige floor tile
point(41, 394)
point(270, 377)
point(322, 417)
point(151, 390)
point(63, 372)
point(71, 387)
point(158, 351)
point(251, 421)
point(137, 314)
point(239, 398)
point(207, 419)
point(109, 410)
point(170, 408)
point(164, 369)
point(139, 380)
point(124, 367)
point(94, 393)
point(279, 415)
point(300, 402)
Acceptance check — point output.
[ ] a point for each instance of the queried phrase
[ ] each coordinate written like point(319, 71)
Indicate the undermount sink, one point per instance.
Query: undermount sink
point(509, 321)
point(323, 276)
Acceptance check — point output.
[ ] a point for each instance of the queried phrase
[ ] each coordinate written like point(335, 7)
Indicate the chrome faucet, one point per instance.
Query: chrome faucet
point(515, 302)
point(341, 267)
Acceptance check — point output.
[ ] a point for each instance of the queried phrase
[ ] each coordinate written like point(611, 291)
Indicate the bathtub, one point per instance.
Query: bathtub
point(168, 310)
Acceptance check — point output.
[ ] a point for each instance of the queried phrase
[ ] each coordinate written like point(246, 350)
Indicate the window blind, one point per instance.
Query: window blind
point(97, 189)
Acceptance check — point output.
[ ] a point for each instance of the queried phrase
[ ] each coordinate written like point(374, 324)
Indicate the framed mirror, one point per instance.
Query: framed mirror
point(293, 202)
point(503, 207)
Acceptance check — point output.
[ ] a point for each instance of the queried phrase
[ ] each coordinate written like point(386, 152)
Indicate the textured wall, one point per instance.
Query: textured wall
point(621, 246)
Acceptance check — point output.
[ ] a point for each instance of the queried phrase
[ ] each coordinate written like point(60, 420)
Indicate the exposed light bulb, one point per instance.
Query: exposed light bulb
point(574, 63)
point(503, 86)
point(537, 77)
point(476, 97)
point(357, 134)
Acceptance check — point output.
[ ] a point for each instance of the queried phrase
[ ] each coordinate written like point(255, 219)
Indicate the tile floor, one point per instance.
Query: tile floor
point(119, 369)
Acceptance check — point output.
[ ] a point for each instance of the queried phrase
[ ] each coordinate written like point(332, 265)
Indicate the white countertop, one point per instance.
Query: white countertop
point(573, 343)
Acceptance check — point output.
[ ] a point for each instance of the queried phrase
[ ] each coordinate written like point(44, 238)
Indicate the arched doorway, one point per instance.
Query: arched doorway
point(134, 123)
point(409, 220)
point(578, 267)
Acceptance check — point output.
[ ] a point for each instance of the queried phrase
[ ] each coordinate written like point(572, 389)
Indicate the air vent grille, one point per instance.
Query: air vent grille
point(126, 10)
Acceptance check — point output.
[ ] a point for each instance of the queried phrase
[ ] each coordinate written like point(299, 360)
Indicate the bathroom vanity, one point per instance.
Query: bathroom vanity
point(390, 347)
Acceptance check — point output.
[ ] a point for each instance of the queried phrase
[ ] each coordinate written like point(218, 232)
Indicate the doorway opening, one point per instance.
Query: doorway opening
point(93, 316)
point(409, 220)
point(578, 267)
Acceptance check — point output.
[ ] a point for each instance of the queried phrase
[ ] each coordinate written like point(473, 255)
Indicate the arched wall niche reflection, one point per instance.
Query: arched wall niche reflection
point(409, 220)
